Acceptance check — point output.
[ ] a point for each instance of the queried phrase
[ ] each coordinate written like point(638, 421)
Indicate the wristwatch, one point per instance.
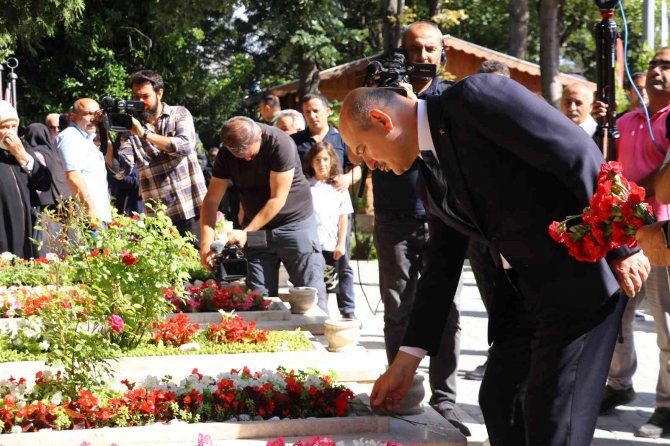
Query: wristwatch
point(146, 133)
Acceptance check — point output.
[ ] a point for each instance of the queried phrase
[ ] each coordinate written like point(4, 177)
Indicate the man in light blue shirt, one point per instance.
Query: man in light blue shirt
point(84, 162)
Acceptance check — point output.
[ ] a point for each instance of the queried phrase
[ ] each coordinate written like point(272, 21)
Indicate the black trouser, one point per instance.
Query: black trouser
point(187, 226)
point(543, 384)
point(400, 240)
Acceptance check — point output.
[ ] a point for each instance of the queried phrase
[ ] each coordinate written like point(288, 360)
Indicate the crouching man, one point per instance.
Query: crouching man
point(263, 163)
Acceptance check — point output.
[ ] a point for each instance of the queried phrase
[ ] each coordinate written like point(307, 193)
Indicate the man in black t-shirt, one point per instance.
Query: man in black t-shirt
point(263, 163)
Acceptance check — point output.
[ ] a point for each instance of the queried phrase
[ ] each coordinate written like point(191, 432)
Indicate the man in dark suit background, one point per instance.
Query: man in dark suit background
point(500, 165)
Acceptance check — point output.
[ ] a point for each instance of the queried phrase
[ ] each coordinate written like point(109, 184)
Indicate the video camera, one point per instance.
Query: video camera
point(606, 4)
point(229, 262)
point(392, 70)
point(116, 117)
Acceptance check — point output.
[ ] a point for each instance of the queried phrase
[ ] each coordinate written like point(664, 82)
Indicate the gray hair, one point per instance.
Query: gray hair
point(494, 66)
point(238, 134)
point(295, 115)
point(361, 104)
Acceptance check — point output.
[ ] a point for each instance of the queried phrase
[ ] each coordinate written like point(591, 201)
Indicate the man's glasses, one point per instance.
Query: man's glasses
point(659, 63)
point(53, 127)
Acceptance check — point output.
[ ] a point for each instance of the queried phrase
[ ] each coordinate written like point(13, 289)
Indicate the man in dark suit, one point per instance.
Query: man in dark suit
point(500, 165)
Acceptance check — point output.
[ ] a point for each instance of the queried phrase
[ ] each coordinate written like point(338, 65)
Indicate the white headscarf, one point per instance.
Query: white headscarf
point(7, 111)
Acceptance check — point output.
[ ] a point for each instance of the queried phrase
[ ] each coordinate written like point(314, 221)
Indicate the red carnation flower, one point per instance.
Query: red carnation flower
point(129, 259)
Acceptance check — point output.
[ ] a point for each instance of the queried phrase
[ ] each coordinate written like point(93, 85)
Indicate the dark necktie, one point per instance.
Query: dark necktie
point(437, 183)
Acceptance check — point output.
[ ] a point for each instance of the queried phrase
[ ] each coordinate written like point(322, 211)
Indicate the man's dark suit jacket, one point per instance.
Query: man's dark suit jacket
point(513, 164)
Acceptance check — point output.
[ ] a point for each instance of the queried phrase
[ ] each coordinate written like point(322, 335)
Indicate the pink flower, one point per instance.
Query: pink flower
point(205, 440)
point(116, 322)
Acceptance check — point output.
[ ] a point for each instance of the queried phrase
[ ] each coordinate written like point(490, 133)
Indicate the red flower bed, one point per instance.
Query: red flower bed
point(210, 297)
point(197, 398)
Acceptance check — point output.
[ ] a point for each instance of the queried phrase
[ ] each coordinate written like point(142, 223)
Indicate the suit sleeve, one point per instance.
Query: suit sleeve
point(437, 287)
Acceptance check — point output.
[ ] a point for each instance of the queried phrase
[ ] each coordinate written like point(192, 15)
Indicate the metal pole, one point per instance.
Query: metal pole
point(664, 23)
point(649, 29)
point(606, 33)
point(12, 63)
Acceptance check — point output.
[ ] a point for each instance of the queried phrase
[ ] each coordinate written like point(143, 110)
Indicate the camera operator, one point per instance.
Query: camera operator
point(84, 163)
point(278, 221)
point(401, 238)
point(165, 138)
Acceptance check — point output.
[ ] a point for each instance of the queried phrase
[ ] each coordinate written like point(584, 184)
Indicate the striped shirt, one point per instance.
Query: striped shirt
point(174, 177)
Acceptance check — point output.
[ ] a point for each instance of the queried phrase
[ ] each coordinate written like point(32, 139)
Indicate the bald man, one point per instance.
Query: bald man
point(576, 105)
point(84, 162)
point(509, 160)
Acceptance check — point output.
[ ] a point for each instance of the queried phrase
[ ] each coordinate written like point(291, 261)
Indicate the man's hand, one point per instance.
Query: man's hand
point(137, 129)
point(652, 241)
point(409, 89)
point(598, 110)
point(631, 272)
point(341, 182)
point(392, 386)
point(237, 237)
point(206, 256)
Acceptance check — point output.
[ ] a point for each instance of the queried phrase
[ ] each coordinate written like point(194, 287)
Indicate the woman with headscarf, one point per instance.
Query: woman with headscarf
point(20, 173)
point(38, 138)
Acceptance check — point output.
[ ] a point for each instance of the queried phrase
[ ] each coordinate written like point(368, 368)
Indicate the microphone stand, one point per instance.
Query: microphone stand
point(606, 34)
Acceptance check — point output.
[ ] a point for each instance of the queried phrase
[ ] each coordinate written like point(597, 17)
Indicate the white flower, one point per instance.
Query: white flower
point(7, 256)
point(140, 223)
point(51, 257)
point(57, 398)
point(190, 346)
point(16, 429)
point(44, 345)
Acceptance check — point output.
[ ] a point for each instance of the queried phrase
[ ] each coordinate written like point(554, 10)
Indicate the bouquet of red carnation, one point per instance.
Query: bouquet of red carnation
point(615, 212)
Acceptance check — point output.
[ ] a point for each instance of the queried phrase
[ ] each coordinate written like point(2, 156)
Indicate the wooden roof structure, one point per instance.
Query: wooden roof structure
point(463, 59)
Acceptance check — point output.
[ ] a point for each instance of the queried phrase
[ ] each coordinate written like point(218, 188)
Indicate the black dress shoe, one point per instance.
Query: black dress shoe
point(615, 397)
point(449, 414)
point(478, 373)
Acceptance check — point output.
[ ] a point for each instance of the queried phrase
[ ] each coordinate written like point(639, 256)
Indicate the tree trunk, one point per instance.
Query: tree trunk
point(435, 7)
point(549, 51)
point(392, 24)
point(309, 78)
point(518, 24)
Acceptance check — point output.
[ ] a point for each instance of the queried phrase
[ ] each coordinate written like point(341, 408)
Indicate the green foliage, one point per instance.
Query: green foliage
point(362, 247)
point(278, 341)
point(75, 328)
point(17, 271)
point(131, 263)
point(26, 21)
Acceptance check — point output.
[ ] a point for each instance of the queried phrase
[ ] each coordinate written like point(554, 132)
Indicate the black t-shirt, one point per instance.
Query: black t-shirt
point(252, 178)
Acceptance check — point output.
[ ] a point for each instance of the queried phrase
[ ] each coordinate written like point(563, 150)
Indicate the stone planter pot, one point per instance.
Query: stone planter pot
point(301, 299)
point(411, 402)
point(341, 334)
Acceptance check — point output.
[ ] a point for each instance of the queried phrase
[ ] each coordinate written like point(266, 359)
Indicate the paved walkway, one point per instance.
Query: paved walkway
point(613, 430)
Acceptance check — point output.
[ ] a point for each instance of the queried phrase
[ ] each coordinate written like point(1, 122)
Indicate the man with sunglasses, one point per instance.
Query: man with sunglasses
point(52, 123)
point(642, 159)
